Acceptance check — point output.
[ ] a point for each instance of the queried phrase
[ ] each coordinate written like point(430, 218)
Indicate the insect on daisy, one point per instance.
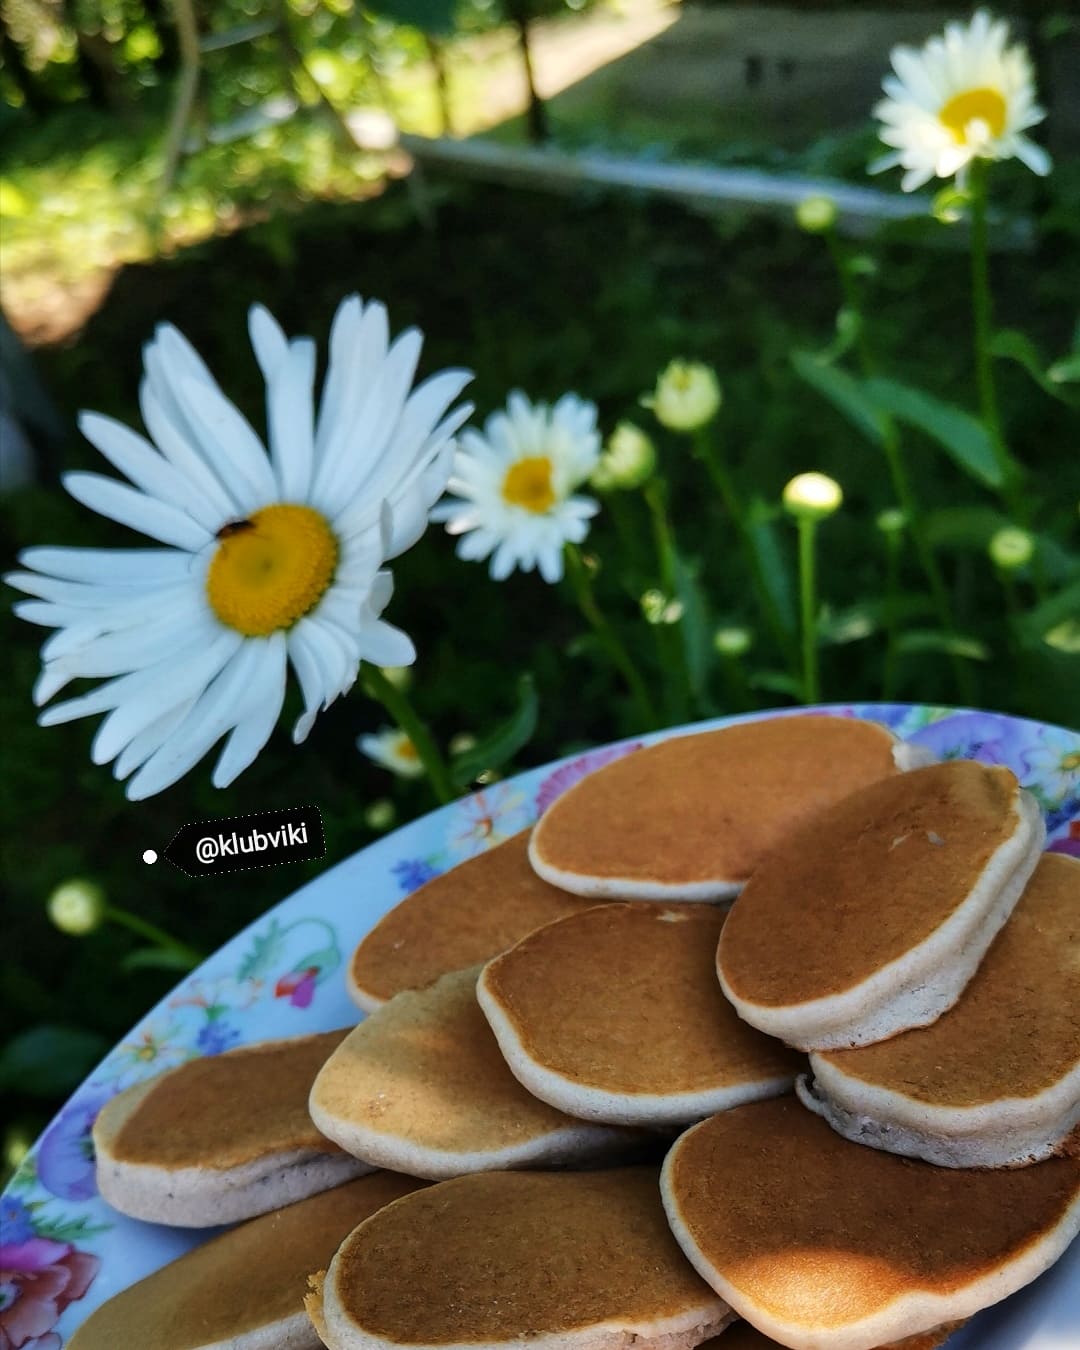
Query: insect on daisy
point(515, 486)
point(968, 95)
point(269, 559)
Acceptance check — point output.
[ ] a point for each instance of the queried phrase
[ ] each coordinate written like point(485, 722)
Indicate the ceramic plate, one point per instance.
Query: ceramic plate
point(64, 1251)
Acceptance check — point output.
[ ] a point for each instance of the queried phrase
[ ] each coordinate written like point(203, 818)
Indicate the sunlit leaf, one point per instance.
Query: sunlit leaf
point(963, 437)
point(48, 1061)
point(503, 743)
point(843, 391)
point(952, 644)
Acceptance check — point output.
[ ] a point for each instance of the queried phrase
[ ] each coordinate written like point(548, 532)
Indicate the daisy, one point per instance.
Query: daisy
point(515, 486)
point(967, 95)
point(268, 558)
point(393, 749)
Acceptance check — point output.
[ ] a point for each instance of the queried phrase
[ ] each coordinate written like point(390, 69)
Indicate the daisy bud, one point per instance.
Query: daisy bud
point(812, 496)
point(77, 907)
point(687, 396)
point(628, 462)
point(391, 748)
point(816, 215)
point(892, 521)
point(17, 1144)
point(659, 609)
point(380, 815)
point(461, 743)
point(1011, 548)
point(733, 642)
point(1064, 636)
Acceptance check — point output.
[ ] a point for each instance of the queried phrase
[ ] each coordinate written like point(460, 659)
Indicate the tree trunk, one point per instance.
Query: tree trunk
point(187, 33)
point(536, 118)
point(437, 57)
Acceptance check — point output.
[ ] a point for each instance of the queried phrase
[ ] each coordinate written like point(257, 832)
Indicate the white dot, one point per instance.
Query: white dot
point(149, 856)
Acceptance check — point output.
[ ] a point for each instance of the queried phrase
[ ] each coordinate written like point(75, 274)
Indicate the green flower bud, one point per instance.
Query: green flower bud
point(77, 907)
point(812, 496)
point(660, 609)
point(628, 462)
point(399, 676)
point(687, 396)
point(733, 642)
point(462, 742)
point(1011, 548)
point(1064, 636)
point(816, 215)
point(891, 521)
point(380, 815)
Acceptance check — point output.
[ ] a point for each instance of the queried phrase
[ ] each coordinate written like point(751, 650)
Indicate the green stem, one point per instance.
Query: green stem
point(669, 641)
point(892, 586)
point(901, 484)
point(405, 715)
point(981, 311)
point(1012, 606)
point(735, 681)
point(609, 639)
point(807, 527)
point(152, 933)
point(707, 453)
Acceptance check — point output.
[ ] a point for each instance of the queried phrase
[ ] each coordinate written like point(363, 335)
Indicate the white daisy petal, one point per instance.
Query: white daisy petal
point(129, 507)
point(139, 749)
point(178, 448)
point(384, 645)
point(265, 697)
point(291, 420)
point(227, 437)
point(268, 342)
point(132, 566)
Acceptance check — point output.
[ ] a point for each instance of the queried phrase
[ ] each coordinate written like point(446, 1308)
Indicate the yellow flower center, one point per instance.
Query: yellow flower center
point(528, 484)
point(983, 105)
point(406, 749)
point(1071, 761)
point(271, 569)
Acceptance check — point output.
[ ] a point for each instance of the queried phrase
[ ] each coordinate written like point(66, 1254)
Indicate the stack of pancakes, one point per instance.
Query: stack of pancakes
point(558, 1004)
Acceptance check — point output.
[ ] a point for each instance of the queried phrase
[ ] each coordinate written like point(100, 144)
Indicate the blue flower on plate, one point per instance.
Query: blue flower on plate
point(65, 1160)
point(412, 873)
point(216, 1036)
point(1052, 761)
point(982, 736)
point(15, 1220)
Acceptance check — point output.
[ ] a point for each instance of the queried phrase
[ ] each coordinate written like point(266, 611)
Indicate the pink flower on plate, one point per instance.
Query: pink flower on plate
point(298, 986)
point(555, 784)
point(38, 1279)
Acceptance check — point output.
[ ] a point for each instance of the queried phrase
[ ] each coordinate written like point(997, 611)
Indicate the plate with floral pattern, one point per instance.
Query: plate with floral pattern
point(63, 1251)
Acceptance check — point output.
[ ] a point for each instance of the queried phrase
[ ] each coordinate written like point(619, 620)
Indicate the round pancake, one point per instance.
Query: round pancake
point(545, 1260)
point(742, 1336)
point(691, 817)
point(420, 1085)
point(615, 1015)
point(874, 917)
point(995, 1082)
point(824, 1245)
point(220, 1138)
point(243, 1290)
point(458, 919)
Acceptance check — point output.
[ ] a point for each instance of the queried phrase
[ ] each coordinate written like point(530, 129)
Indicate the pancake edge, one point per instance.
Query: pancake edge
point(1011, 1132)
point(914, 989)
point(683, 1331)
point(905, 756)
point(294, 1332)
point(364, 999)
point(908, 1315)
point(615, 1108)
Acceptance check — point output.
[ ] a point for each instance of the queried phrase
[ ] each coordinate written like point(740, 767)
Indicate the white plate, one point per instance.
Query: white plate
point(64, 1251)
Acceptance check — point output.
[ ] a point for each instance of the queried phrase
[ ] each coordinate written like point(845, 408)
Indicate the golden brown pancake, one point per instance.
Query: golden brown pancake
point(615, 1014)
point(873, 918)
point(691, 817)
point(493, 1259)
point(996, 1080)
point(421, 1082)
point(220, 1138)
point(819, 1242)
point(742, 1336)
point(458, 919)
point(246, 1287)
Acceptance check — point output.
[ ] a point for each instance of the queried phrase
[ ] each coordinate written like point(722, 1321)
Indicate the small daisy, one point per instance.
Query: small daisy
point(268, 558)
point(1055, 763)
point(392, 748)
point(516, 482)
point(967, 95)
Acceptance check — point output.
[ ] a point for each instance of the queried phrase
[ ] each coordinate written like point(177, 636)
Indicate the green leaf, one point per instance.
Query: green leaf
point(48, 1061)
point(1052, 612)
point(1065, 370)
point(500, 746)
point(761, 518)
point(843, 391)
point(1013, 345)
point(159, 958)
point(777, 682)
point(694, 627)
point(933, 640)
point(836, 628)
point(963, 437)
point(964, 527)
